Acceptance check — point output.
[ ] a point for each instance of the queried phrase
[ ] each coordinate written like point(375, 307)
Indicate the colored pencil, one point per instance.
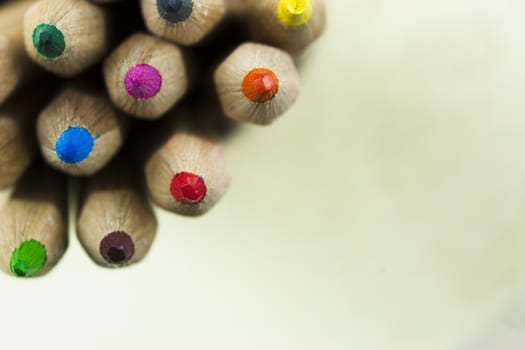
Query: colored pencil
point(257, 83)
point(33, 234)
point(79, 131)
point(289, 24)
point(237, 7)
point(17, 135)
point(66, 37)
point(187, 173)
point(116, 225)
point(145, 76)
point(185, 22)
point(15, 66)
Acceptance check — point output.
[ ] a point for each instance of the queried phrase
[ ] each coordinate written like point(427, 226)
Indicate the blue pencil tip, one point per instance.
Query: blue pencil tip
point(74, 145)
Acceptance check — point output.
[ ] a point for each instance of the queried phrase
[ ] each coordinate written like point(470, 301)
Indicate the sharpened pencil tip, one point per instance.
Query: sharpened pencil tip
point(175, 11)
point(188, 188)
point(260, 85)
point(48, 40)
point(143, 82)
point(74, 145)
point(28, 259)
point(117, 248)
point(294, 12)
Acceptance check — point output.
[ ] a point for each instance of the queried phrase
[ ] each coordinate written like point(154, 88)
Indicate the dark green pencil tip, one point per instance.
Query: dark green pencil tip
point(48, 40)
point(28, 259)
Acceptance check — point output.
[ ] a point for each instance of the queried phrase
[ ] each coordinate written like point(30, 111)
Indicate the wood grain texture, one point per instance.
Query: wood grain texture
point(266, 26)
point(113, 201)
point(85, 28)
point(15, 66)
point(17, 135)
point(78, 107)
point(187, 152)
point(164, 56)
point(104, 1)
point(37, 210)
point(237, 7)
point(205, 16)
point(230, 74)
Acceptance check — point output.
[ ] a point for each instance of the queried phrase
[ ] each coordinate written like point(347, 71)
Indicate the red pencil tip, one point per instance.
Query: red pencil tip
point(260, 85)
point(188, 188)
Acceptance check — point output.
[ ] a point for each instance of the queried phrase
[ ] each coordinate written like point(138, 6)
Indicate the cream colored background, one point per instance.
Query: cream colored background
point(385, 211)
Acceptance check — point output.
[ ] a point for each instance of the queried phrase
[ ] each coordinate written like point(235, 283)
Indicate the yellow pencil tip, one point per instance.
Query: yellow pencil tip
point(294, 12)
point(296, 7)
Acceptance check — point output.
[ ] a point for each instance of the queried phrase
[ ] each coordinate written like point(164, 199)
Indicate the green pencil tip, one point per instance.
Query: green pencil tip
point(28, 259)
point(48, 40)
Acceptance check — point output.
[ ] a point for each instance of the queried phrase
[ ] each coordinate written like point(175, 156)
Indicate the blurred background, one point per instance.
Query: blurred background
point(385, 211)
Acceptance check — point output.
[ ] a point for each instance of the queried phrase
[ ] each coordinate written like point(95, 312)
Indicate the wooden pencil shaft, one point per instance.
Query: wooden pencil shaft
point(66, 37)
point(257, 83)
point(116, 226)
point(289, 24)
point(187, 173)
point(145, 76)
point(33, 234)
point(104, 1)
point(185, 22)
point(237, 7)
point(17, 134)
point(224, 40)
point(15, 66)
point(79, 131)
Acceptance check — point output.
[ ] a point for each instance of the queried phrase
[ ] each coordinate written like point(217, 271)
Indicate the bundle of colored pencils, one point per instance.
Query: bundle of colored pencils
point(81, 78)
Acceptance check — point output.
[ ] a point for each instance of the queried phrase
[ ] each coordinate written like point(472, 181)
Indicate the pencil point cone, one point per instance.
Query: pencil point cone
point(28, 259)
point(48, 40)
point(260, 85)
point(117, 247)
point(74, 145)
point(175, 11)
point(294, 12)
point(188, 188)
point(143, 82)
